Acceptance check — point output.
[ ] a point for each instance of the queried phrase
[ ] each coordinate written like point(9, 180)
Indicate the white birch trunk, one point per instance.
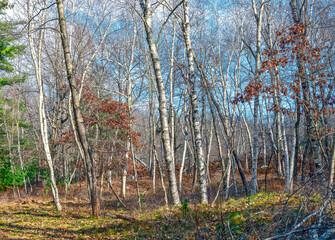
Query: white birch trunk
point(185, 147)
point(147, 12)
point(194, 104)
point(258, 17)
point(41, 106)
point(291, 179)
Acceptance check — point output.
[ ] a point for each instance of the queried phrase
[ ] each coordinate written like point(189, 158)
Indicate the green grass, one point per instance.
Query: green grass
point(254, 215)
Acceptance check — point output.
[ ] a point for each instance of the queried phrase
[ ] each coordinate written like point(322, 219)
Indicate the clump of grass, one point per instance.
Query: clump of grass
point(233, 218)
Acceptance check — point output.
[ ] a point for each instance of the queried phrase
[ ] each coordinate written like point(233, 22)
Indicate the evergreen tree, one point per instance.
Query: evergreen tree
point(10, 174)
point(8, 49)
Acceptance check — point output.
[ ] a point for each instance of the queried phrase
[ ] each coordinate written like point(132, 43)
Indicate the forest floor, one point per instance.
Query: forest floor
point(256, 217)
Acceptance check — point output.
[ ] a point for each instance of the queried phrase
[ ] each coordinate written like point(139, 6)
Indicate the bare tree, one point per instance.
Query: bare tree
point(258, 14)
point(36, 55)
point(78, 119)
point(147, 13)
point(194, 103)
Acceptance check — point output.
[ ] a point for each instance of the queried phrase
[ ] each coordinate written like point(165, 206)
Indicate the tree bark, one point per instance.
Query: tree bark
point(194, 104)
point(37, 57)
point(305, 85)
point(214, 105)
point(185, 147)
point(332, 170)
point(172, 117)
point(147, 12)
point(258, 17)
point(78, 119)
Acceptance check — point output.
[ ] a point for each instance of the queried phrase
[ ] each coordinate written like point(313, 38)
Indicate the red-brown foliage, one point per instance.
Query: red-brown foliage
point(108, 124)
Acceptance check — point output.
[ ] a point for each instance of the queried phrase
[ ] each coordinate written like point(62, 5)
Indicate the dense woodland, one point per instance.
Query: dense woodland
point(189, 102)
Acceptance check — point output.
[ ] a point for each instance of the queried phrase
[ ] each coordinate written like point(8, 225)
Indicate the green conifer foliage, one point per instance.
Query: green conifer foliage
point(10, 171)
point(8, 49)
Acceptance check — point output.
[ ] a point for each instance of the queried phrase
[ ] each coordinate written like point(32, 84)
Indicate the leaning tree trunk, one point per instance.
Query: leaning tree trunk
point(147, 12)
point(194, 104)
point(214, 105)
point(78, 119)
point(249, 137)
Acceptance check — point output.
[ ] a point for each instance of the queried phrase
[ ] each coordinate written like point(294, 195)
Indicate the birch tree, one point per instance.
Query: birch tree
point(36, 54)
point(147, 11)
point(194, 103)
point(258, 14)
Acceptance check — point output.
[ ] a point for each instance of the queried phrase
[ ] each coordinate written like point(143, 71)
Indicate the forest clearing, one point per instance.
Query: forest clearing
point(260, 216)
point(167, 119)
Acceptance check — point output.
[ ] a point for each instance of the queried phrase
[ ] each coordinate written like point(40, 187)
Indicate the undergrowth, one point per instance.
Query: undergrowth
point(260, 216)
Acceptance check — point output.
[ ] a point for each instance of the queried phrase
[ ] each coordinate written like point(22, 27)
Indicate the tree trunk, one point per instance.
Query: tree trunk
point(129, 103)
point(213, 104)
point(292, 162)
point(263, 136)
point(305, 85)
point(185, 147)
point(37, 57)
point(258, 17)
point(227, 182)
point(78, 119)
point(109, 180)
point(249, 137)
point(332, 171)
point(285, 156)
point(19, 148)
point(297, 139)
point(147, 12)
point(162, 179)
point(172, 117)
point(209, 147)
point(194, 104)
